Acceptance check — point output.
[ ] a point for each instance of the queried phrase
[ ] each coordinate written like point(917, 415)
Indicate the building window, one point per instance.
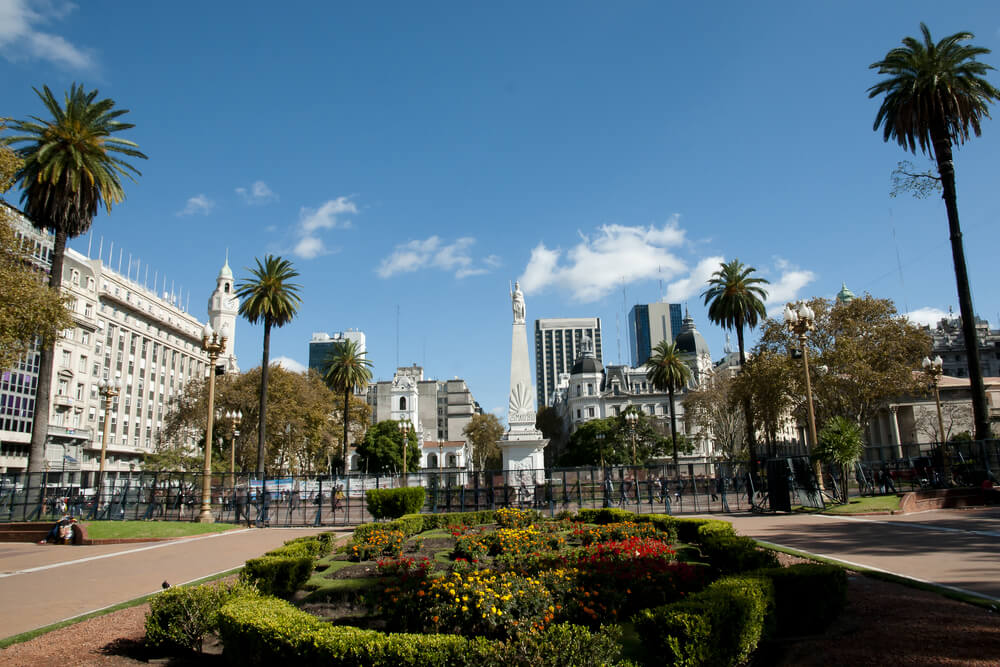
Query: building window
point(83, 364)
point(590, 412)
point(590, 389)
point(402, 402)
point(66, 358)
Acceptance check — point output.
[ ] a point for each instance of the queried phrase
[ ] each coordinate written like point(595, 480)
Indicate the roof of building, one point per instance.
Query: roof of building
point(690, 340)
point(588, 361)
point(844, 295)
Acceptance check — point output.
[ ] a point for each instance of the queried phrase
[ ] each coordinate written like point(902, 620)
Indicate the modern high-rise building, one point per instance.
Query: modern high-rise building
point(321, 345)
point(557, 347)
point(650, 323)
point(124, 333)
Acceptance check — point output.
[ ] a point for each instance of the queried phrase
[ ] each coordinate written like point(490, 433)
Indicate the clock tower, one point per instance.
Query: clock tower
point(223, 307)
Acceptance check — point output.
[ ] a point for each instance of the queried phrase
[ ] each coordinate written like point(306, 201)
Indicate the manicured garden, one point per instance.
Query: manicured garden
point(601, 587)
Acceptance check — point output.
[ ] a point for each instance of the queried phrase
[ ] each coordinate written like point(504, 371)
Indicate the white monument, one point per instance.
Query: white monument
point(522, 444)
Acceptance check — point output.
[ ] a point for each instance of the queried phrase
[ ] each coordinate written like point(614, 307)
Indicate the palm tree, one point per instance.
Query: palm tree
point(667, 370)
point(934, 95)
point(347, 370)
point(269, 297)
point(735, 299)
point(71, 167)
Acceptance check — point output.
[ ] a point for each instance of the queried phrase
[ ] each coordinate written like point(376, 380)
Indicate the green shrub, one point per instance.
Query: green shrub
point(451, 519)
point(722, 625)
point(278, 575)
point(180, 618)
point(605, 515)
point(807, 597)
point(730, 553)
point(394, 503)
point(267, 631)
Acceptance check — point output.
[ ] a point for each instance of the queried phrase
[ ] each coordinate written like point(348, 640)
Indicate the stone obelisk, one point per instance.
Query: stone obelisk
point(522, 444)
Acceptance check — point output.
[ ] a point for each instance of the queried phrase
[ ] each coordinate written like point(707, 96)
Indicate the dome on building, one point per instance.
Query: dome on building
point(844, 295)
point(689, 340)
point(588, 361)
point(226, 272)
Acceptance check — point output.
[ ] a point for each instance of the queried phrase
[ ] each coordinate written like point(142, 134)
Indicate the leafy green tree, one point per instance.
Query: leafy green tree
point(381, 450)
point(29, 308)
point(769, 380)
point(936, 95)
point(586, 448)
point(840, 443)
point(548, 421)
point(713, 408)
point(483, 433)
point(270, 297)
point(347, 370)
point(667, 371)
point(735, 299)
point(70, 167)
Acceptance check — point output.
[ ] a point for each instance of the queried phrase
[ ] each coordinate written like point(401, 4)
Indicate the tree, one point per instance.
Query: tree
point(935, 95)
point(270, 297)
point(71, 166)
point(347, 370)
point(667, 371)
point(714, 409)
point(585, 448)
point(840, 443)
point(548, 421)
point(29, 309)
point(381, 450)
point(483, 432)
point(735, 299)
point(768, 383)
point(299, 402)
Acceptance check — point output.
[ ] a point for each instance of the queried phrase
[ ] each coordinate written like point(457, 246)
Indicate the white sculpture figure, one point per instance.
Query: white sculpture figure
point(517, 303)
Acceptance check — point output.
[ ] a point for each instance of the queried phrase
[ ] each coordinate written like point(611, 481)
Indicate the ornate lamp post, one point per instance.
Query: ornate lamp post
point(404, 428)
point(109, 391)
point(934, 369)
point(234, 417)
point(214, 343)
point(800, 320)
point(632, 421)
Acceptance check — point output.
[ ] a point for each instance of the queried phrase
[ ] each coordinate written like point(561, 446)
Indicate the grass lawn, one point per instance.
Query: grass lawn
point(865, 504)
point(114, 530)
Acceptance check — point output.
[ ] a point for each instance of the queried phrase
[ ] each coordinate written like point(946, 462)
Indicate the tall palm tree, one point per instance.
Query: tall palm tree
point(667, 370)
point(735, 299)
point(347, 370)
point(71, 168)
point(934, 95)
point(268, 297)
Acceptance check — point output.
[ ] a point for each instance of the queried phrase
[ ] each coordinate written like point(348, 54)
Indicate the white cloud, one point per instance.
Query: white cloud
point(433, 253)
point(927, 315)
point(596, 266)
point(199, 204)
point(696, 282)
point(312, 220)
point(289, 364)
point(786, 288)
point(20, 39)
point(258, 193)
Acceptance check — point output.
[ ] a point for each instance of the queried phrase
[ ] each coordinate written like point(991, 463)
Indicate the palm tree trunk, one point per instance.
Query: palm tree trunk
point(262, 421)
point(343, 445)
point(673, 425)
point(946, 169)
point(747, 408)
point(46, 361)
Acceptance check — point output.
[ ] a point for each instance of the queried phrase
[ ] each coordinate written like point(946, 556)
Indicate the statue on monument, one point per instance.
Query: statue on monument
point(517, 303)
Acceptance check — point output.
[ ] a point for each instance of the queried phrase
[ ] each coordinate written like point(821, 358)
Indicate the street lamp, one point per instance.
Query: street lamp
point(214, 343)
point(234, 417)
point(934, 369)
point(404, 428)
point(109, 391)
point(632, 421)
point(800, 320)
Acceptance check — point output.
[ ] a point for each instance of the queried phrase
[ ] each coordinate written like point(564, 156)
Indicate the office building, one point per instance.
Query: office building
point(557, 346)
point(321, 345)
point(648, 324)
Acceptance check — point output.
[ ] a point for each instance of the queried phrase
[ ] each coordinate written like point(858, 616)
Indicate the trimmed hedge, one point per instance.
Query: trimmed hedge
point(286, 569)
point(730, 553)
point(721, 625)
point(412, 524)
point(807, 597)
point(267, 631)
point(683, 529)
point(394, 503)
point(180, 618)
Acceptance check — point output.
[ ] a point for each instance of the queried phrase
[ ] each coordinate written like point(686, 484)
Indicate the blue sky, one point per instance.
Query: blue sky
point(423, 155)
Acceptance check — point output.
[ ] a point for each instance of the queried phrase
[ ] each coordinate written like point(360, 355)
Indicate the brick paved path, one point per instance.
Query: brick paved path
point(44, 584)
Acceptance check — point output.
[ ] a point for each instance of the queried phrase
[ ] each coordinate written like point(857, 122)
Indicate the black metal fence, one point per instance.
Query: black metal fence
point(700, 488)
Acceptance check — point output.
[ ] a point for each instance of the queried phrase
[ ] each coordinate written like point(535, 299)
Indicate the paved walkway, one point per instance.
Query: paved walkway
point(956, 548)
point(44, 584)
